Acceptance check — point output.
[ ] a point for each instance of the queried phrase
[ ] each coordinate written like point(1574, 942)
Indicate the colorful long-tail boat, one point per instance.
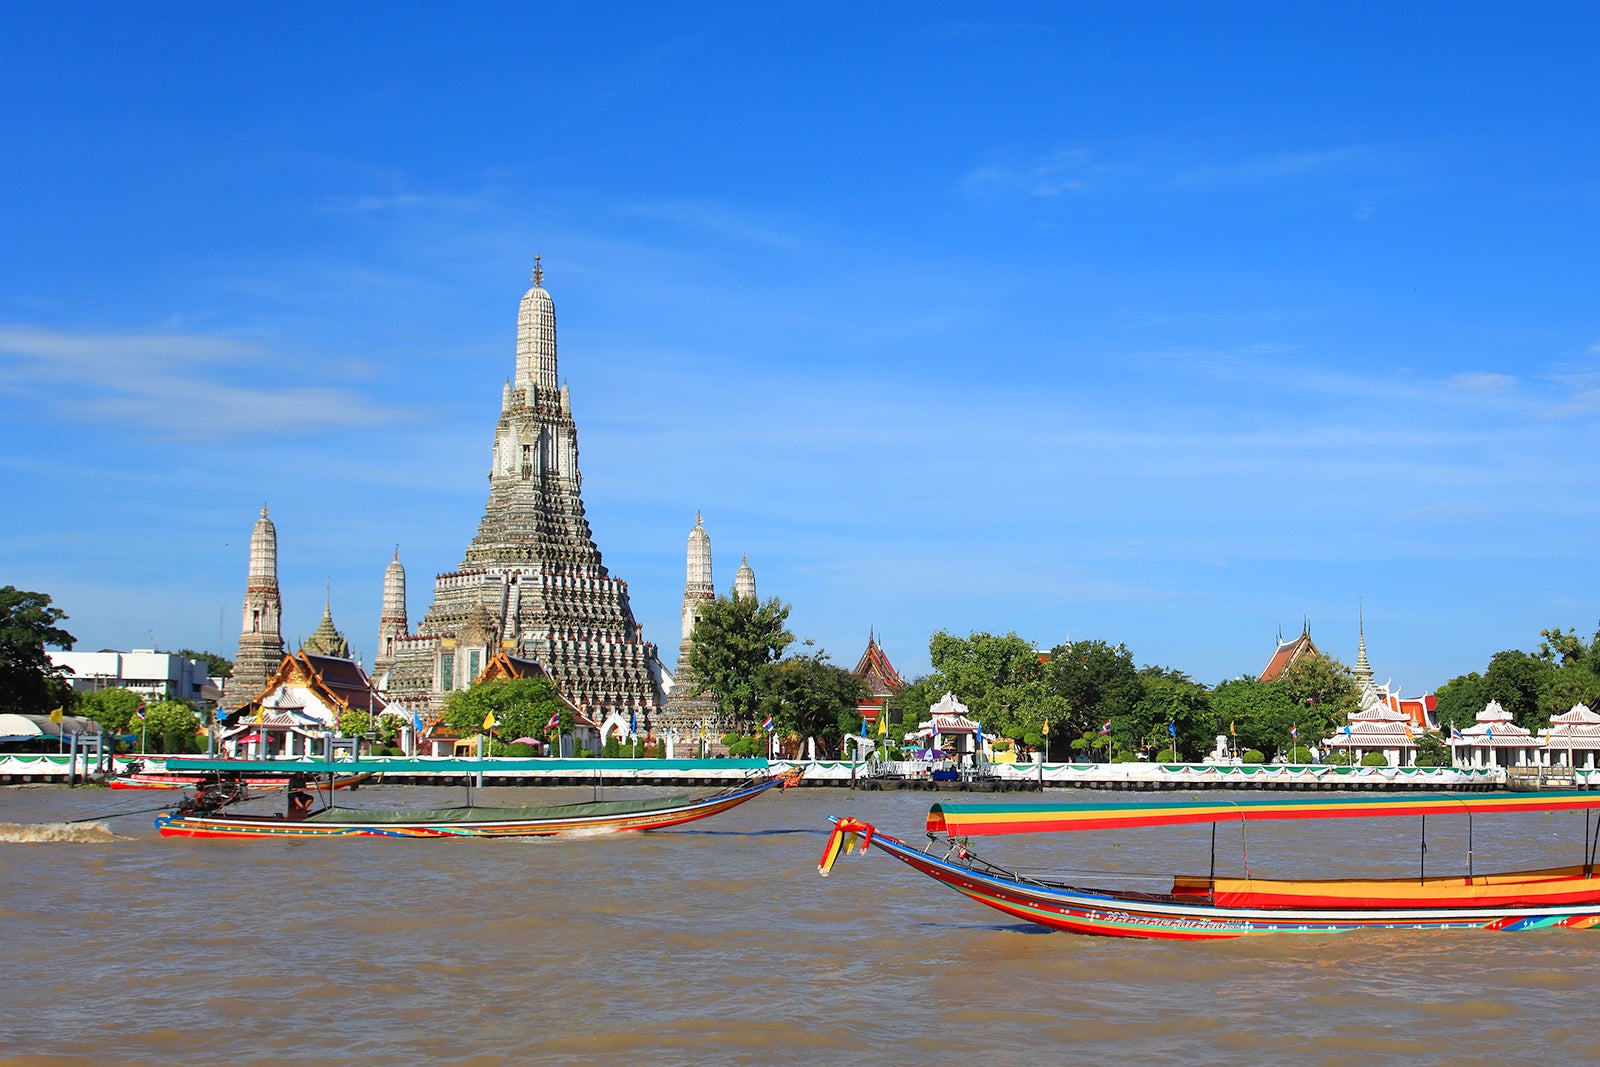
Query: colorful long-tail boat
point(203, 816)
point(1207, 906)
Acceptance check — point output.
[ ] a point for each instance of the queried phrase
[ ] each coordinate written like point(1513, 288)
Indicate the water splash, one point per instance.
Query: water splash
point(82, 833)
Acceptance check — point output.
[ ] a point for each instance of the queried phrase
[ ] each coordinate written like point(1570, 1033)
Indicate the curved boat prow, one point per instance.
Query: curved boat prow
point(846, 834)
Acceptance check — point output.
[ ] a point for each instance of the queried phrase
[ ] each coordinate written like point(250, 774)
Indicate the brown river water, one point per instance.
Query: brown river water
point(719, 944)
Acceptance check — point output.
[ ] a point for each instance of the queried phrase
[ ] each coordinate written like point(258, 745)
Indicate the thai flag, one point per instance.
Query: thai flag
point(766, 724)
point(1294, 731)
point(1455, 735)
point(1105, 728)
point(555, 721)
point(138, 712)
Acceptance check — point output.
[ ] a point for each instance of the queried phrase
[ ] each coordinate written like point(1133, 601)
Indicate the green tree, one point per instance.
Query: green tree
point(217, 666)
point(1431, 750)
point(112, 708)
point(1569, 684)
point(354, 722)
point(915, 700)
point(1092, 682)
point(1459, 701)
point(1260, 713)
point(1514, 679)
point(521, 708)
point(170, 726)
point(1001, 680)
point(808, 696)
point(1327, 691)
point(1168, 696)
point(733, 639)
point(1562, 648)
point(29, 683)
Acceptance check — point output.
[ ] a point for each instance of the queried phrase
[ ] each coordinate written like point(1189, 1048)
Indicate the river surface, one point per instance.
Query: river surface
point(719, 944)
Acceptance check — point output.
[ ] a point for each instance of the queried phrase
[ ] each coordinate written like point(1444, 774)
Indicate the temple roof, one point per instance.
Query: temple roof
point(875, 669)
point(1288, 653)
point(326, 640)
point(336, 683)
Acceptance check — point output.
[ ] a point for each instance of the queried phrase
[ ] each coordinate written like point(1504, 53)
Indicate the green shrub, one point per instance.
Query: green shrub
point(1253, 755)
point(1374, 759)
point(522, 749)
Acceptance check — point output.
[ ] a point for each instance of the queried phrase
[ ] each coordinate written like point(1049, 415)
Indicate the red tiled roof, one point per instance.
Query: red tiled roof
point(1286, 655)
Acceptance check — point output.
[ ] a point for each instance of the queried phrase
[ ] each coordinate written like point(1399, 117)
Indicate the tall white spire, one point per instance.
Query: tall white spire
point(392, 625)
point(1362, 669)
point(536, 339)
point(744, 582)
point(261, 633)
point(697, 585)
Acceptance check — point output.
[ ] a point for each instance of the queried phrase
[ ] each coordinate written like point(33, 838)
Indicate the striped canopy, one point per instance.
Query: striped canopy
point(973, 819)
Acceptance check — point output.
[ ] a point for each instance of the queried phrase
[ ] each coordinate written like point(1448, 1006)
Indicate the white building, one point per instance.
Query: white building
point(1494, 741)
point(153, 675)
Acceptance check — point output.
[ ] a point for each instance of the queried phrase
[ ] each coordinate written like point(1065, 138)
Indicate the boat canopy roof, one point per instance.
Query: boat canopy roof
point(973, 819)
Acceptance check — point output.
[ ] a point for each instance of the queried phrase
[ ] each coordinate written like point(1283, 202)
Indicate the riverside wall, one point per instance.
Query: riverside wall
point(18, 769)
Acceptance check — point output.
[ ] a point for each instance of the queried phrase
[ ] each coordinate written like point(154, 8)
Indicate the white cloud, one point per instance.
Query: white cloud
point(717, 219)
point(1480, 382)
point(1060, 172)
point(177, 385)
point(1276, 166)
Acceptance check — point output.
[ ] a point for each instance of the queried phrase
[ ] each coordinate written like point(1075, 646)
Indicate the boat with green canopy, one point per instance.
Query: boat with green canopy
point(205, 815)
point(1212, 906)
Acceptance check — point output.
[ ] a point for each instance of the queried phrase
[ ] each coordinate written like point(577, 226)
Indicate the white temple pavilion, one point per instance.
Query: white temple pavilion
point(1573, 738)
point(950, 722)
point(1376, 726)
point(1495, 741)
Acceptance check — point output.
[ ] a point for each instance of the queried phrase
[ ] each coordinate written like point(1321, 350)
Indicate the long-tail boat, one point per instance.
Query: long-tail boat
point(205, 816)
point(1207, 906)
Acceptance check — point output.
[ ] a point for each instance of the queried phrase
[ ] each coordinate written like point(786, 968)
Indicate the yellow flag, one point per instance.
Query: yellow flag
point(489, 722)
point(55, 716)
point(883, 722)
point(1231, 731)
point(1409, 735)
point(261, 714)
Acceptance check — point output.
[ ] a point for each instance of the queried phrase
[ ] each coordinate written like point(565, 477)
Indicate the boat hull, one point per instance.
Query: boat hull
point(645, 817)
point(1113, 914)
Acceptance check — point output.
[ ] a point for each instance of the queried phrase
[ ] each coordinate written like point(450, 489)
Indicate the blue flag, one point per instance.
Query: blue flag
point(1172, 729)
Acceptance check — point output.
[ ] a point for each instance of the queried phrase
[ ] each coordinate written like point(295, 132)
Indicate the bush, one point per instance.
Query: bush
point(1374, 759)
point(1253, 755)
point(521, 748)
point(661, 750)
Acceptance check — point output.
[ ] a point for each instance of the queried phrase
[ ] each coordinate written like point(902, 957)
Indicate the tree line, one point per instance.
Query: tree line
point(1078, 699)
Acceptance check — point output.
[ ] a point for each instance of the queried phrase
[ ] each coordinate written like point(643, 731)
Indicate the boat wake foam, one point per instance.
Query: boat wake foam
point(82, 833)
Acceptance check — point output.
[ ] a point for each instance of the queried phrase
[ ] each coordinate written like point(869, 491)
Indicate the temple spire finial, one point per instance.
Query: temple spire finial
point(538, 272)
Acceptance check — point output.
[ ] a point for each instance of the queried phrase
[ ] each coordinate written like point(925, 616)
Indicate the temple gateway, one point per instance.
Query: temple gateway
point(532, 583)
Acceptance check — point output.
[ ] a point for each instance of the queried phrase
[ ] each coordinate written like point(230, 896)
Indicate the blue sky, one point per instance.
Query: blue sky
point(1173, 325)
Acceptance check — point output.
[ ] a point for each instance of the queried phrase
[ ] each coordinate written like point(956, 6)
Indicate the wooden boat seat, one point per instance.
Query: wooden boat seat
point(1559, 885)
